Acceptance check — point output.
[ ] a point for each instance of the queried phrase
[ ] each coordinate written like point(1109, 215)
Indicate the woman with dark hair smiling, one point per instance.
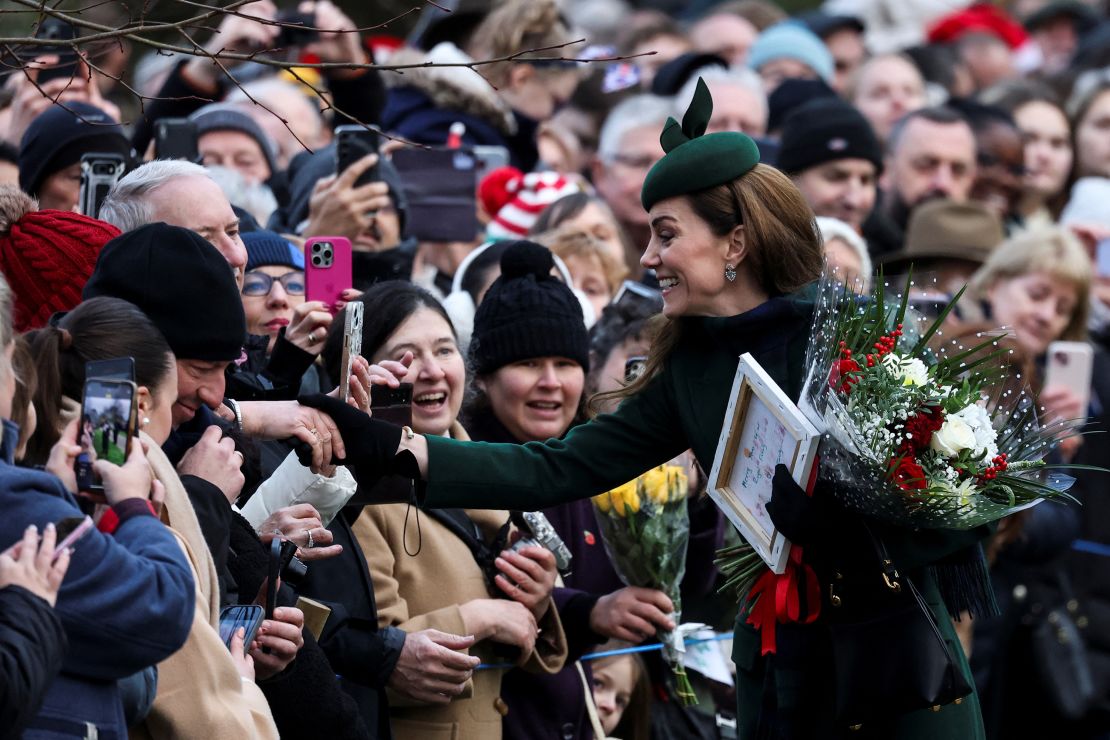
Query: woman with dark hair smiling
point(734, 246)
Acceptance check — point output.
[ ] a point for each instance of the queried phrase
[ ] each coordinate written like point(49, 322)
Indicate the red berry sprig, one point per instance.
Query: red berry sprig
point(998, 465)
point(885, 345)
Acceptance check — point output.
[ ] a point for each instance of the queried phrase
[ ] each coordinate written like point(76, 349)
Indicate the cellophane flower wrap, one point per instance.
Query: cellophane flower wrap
point(645, 526)
point(920, 430)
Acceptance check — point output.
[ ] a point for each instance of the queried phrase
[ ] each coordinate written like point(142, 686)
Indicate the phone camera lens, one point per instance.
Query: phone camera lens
point(316, 260)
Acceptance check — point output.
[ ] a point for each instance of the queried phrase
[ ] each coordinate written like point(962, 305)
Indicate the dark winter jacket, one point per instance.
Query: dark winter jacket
point(32, 647)
point(127, 601)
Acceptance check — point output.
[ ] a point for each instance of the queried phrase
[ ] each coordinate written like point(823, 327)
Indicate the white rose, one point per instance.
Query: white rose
point(977, 417)
point(953, 437)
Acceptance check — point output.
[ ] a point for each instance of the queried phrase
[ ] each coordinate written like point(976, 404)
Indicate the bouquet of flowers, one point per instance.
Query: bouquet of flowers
point(919, 430)
point(645, 527)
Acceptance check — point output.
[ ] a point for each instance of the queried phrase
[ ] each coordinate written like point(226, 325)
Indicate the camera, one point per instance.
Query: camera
point(537, 531)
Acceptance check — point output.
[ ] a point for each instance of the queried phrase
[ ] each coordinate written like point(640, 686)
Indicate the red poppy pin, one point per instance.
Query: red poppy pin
point(590, 539)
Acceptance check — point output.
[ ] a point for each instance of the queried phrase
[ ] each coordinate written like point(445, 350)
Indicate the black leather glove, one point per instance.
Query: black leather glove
point(801, 518)
point(371, 443)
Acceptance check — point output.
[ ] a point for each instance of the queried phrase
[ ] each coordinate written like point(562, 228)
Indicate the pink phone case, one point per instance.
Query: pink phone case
point(327, 269)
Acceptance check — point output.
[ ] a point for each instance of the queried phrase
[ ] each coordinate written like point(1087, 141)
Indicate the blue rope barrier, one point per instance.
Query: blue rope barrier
point(621, 651)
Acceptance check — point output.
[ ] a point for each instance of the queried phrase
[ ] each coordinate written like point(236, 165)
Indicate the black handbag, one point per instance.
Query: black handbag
point(889, 654)
point(1060, 654)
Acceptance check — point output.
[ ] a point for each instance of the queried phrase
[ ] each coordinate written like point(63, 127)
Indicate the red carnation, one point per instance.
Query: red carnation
point(847, 369)
point(920, 428)
point(905, 473)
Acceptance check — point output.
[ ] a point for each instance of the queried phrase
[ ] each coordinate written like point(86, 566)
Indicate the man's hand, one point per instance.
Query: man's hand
point(632, 614)
point(284, 419)
point(30, 563)
point(339, 42)
point(215, 459)
point(507, 622)
point(527, 577)
point(431, 669)
point(338, 208)
point(235, 34)
point(308, 329)
point(282, 635)
point(296, 524)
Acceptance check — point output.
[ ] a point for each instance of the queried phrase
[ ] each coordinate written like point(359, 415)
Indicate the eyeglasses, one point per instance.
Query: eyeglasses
point(260, 284)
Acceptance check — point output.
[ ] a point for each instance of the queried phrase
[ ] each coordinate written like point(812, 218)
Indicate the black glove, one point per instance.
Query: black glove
point(801, 518)
point(370, 443)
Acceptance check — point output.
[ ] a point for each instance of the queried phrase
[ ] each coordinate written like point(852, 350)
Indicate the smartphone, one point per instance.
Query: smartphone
point(352, 143)
point(69, 531)
point(298, 29)
point(176, 138)
point(352, 345)
point(441, 186)
point(117, 368)
point(392, 404)
point(1102, 258)
point(633, 368)
point(100, 171)
point(490, 157)
point(1070, 365)
point(281, 552)
point(106, 430)
point(66, 67)
point(247, 616)
point(327, 269)
point(634, 294)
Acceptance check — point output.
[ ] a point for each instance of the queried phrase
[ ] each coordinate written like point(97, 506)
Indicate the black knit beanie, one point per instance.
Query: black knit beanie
point(823, 130)
point(58, 137)
point(182, 283)
point(527, 313)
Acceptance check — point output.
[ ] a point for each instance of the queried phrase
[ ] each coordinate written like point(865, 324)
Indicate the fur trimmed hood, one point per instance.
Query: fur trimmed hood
point(453, 88)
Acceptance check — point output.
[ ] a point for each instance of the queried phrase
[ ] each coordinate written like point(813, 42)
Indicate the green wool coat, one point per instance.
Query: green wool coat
point(683, 408)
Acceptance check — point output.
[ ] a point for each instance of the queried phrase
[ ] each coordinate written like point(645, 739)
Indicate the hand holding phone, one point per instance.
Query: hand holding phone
point(247, 617)
point(352, 346)
point(106, 429)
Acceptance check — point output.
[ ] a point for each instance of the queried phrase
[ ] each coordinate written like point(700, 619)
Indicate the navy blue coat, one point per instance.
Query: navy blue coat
point(127, 601)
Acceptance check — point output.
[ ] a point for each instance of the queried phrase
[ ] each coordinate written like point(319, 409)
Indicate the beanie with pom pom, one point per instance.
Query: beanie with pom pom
point(528, 313)
point(515, 200)
point(47, 256)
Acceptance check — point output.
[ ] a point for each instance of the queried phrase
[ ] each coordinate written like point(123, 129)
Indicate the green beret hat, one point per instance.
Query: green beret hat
point(695, 161)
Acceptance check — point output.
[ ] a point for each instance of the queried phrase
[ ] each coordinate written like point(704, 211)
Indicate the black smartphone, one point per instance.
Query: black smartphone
point(297, 29)
point(66, 67)
point(247, 616)
point(107, 428)
point(100, 171)
point(281, 552)
point(352, 143)
point(392, 404)
point(117, 368)
point(441, 186)
point(634, 368)
point(176, 138)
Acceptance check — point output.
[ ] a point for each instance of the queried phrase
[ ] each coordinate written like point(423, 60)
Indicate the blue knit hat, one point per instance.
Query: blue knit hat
point(268, 248)
point(791, 40)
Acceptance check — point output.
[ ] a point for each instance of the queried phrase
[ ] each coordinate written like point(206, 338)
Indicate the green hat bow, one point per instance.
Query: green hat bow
point(694, 160)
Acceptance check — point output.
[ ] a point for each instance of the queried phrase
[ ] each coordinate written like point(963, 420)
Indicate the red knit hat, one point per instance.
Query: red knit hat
point(47, 256)
point(515, 200)
point(978, 18)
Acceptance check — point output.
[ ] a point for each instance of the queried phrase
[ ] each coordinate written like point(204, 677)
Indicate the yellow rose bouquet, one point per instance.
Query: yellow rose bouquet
point(645, 527)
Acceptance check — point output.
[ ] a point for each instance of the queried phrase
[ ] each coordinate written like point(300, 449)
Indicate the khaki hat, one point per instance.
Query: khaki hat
point(944, 229)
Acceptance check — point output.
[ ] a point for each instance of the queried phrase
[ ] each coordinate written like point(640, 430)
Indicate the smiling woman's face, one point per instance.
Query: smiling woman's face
point(688, 258)
point(536, 399)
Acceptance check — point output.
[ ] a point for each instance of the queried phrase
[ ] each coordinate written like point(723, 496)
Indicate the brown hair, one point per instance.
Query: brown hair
point(574, 243)
point(1053, 250)
point(23, 367)
point(518, 26)
point(785, 251)
point(635, 721)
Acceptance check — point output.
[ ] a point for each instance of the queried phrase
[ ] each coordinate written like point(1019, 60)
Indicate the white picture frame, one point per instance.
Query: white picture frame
point(762, 427)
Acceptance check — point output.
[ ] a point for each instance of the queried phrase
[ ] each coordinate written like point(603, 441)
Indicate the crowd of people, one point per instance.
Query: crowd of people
point(631, 241)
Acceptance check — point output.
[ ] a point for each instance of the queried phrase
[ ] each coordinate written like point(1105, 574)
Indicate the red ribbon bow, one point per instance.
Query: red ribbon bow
point(775, 598)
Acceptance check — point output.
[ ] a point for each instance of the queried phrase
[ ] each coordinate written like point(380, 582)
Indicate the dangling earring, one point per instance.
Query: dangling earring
point(730, 273)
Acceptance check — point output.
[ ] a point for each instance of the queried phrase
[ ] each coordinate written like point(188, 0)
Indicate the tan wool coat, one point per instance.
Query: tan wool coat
point(425, 590)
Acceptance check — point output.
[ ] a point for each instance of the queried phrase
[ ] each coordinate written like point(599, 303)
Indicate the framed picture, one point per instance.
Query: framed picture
point(762, 428)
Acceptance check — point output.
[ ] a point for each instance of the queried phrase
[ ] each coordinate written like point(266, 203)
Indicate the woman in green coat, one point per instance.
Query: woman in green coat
point(734, 246)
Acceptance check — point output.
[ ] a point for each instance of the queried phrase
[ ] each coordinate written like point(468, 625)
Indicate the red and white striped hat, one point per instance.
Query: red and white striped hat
point(515, 200)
